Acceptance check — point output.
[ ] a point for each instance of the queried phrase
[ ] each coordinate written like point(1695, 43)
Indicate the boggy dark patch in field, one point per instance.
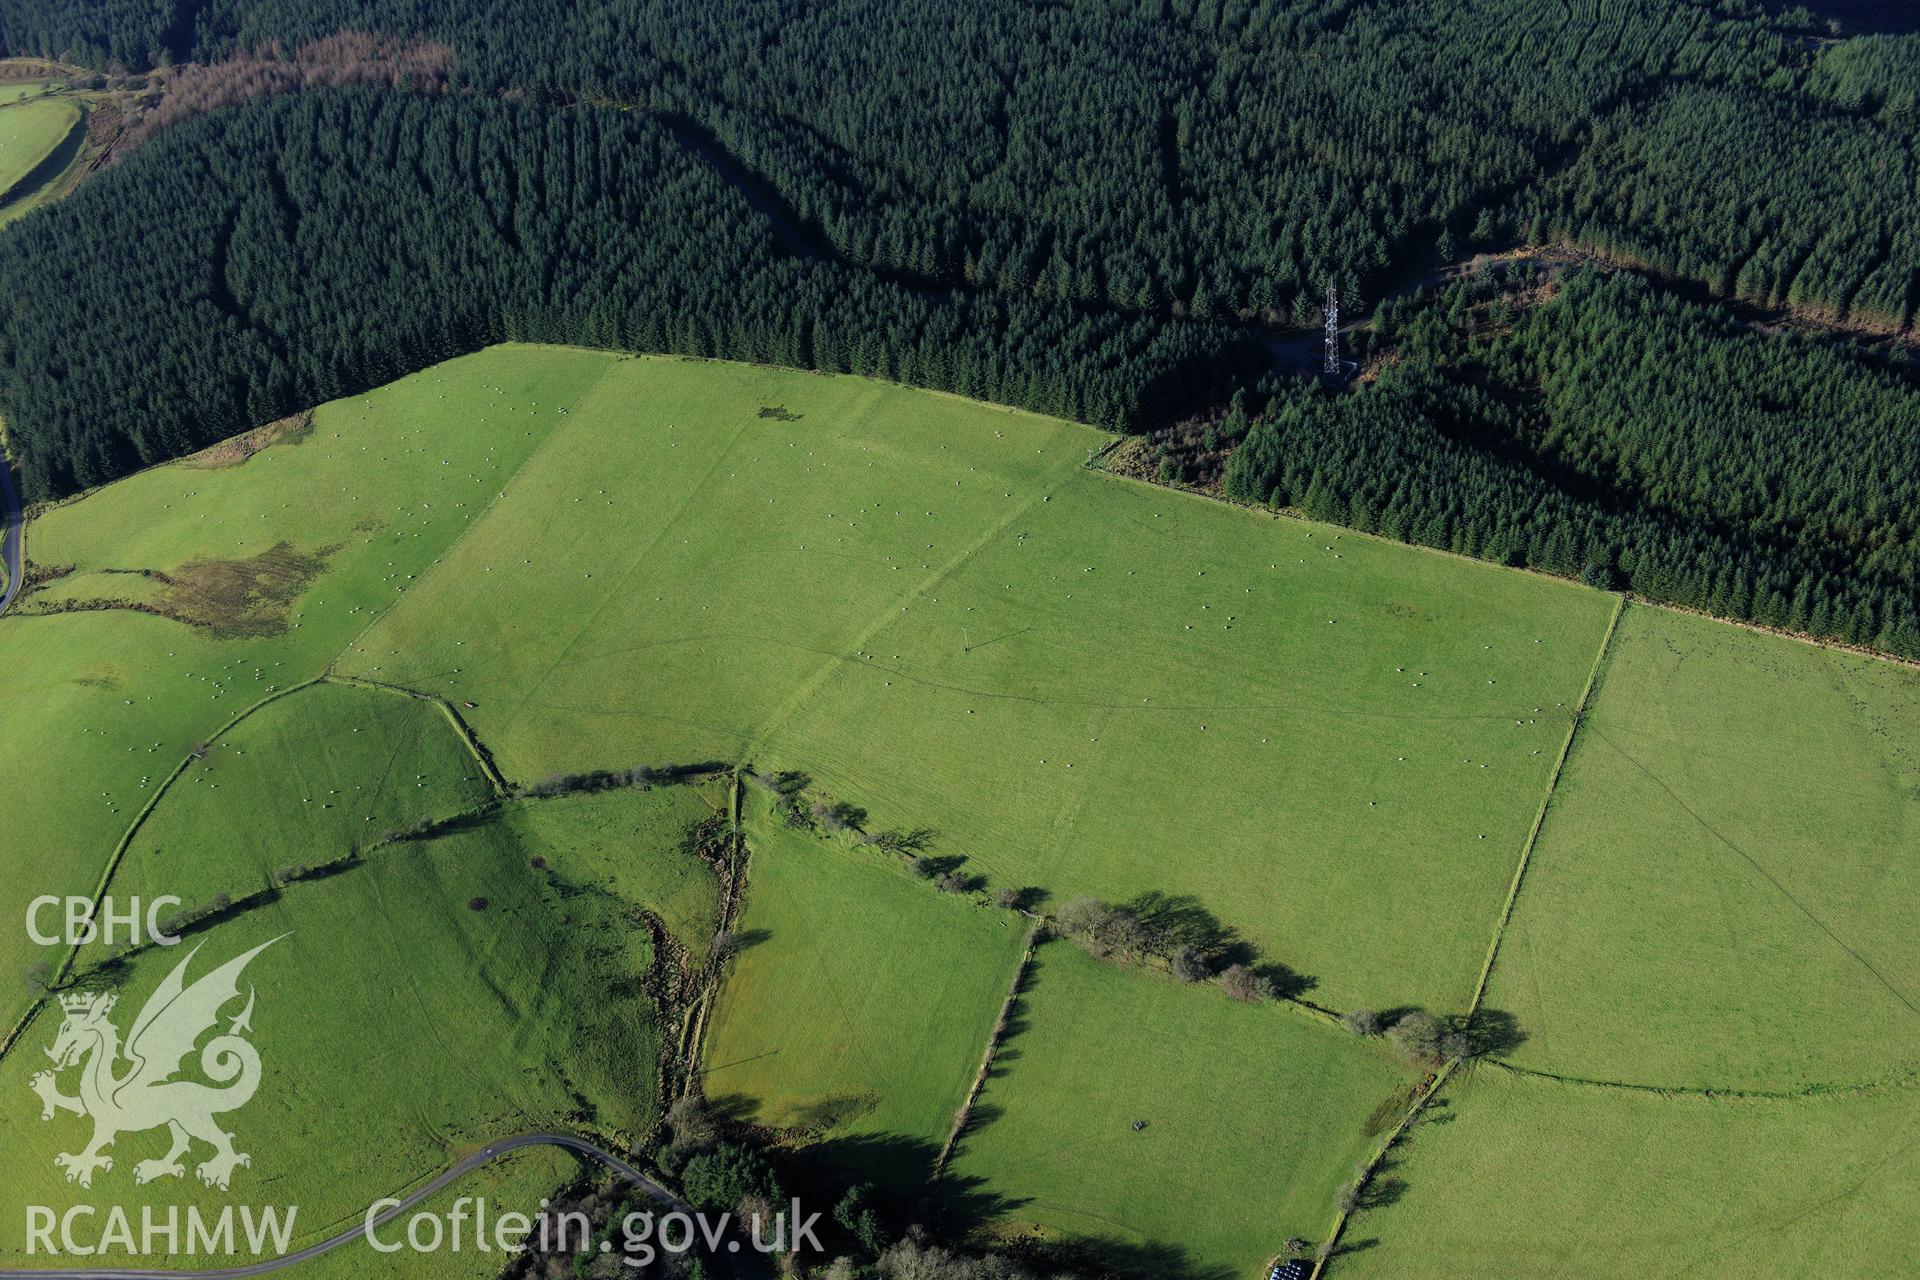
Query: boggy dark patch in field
point(780, 413)
point(247, 597)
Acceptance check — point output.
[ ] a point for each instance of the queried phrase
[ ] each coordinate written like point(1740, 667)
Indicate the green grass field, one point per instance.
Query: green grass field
point(88, 693)
point(860, 1003)
point(633, 844)
point(398, 1027)
point(1726, 892)
point(1254, 1115)
point(12, 91)
point(1082, 684)
point(518, 1182)
point(1517, 1178)
point(312, 777)
point(29, 133)
point(1075, 683)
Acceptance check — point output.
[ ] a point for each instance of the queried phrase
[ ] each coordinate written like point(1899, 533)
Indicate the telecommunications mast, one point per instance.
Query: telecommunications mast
point(1333, 332)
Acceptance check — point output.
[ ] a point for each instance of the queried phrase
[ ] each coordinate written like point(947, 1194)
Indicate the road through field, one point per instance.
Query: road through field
point(11, 527)
point(743, 1266)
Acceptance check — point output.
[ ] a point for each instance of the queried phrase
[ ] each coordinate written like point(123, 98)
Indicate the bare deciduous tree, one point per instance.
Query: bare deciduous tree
point(1243, 983)
point(1362, 1022)
point(1416, 1035)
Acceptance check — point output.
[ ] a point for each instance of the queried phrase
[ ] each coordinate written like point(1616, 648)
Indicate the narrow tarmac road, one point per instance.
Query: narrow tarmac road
point(744, 1266)
point(12, 529)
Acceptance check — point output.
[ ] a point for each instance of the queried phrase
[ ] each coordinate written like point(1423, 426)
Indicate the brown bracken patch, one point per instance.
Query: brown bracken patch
point(238, 597)
point(1132, 456)
point(233, 452)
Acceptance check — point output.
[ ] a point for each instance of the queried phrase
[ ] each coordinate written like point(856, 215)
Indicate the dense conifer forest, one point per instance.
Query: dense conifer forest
point(319, 244)
point(1100, 210)
point(1220, 157)
point(1629, 438)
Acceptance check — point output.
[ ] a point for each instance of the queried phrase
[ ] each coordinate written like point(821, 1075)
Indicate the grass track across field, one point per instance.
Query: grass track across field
point(1333, 745)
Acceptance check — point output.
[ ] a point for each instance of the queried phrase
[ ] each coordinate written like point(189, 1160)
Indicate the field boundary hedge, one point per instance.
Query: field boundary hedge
point(1546, 802)
point(965, 1113)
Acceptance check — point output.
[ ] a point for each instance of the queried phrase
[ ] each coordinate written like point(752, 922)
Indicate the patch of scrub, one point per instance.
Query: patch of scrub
point(235, 451)
point(234, 598)
point(249, 597)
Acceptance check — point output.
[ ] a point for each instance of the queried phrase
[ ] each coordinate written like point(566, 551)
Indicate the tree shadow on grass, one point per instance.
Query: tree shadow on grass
point(914, 840)
point(960, 1207)
point(901, 1171)
point(1121, 1259)
point(1495, 1032)
point(1288, 984)
point(1178, 920)
point(1380, 1192)
point(747, 939)
point(1170, 923)
point(731, 1109)
point(825, 1114)
point(1030, 898)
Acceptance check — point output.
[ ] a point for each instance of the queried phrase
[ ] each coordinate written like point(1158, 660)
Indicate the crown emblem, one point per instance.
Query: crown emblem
point(150, 1093)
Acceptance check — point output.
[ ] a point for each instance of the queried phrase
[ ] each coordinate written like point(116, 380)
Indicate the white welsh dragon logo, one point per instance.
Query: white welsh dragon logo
point(145, 1095)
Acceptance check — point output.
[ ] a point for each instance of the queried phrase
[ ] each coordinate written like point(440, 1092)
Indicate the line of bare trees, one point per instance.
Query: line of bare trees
point(1176, 931)
point(343, 58)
